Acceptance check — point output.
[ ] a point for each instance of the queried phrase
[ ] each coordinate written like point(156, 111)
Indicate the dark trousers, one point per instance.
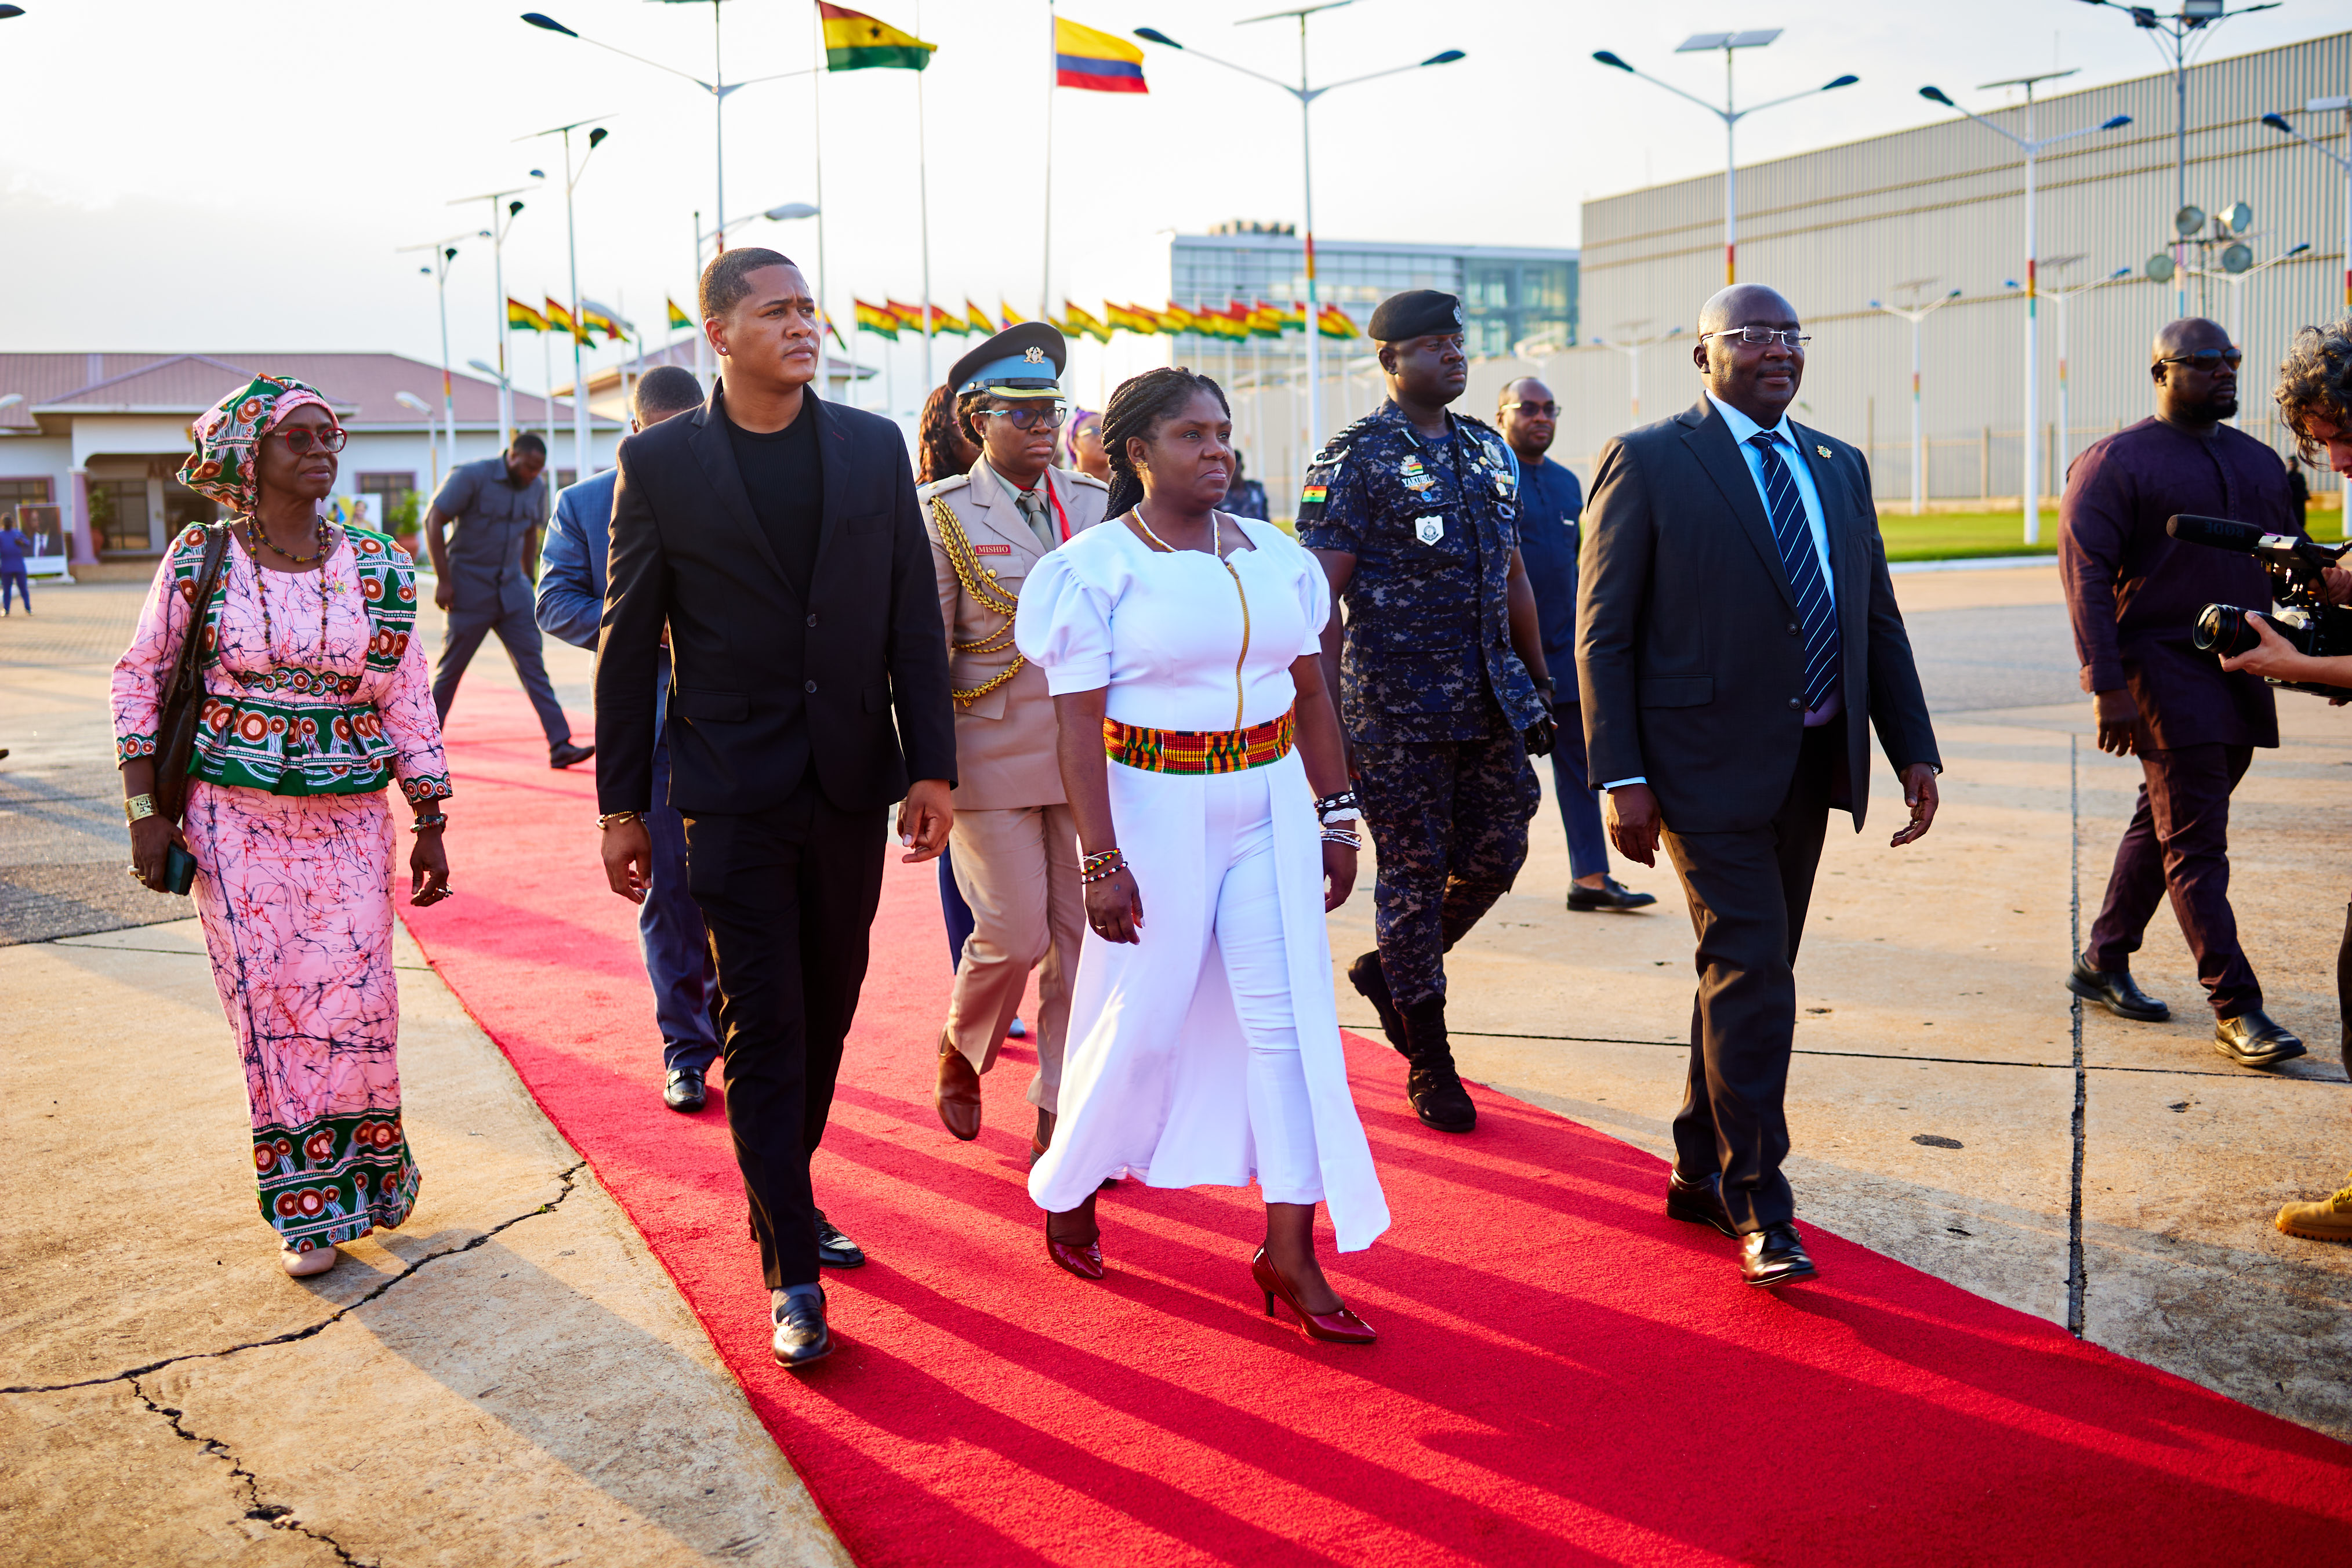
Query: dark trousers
point(789, 895)
point(18, 581)
point(954, 910)
point(1748, 893)
point(1449, 819)
point(1580, 808)
point(671, 934)
point(519, 633)
point(2178, 844)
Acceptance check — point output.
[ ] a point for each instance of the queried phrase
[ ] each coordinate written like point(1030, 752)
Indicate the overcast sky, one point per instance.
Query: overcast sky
point(238, 176)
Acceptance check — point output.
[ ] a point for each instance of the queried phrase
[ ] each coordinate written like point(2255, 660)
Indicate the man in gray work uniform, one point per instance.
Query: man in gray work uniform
point(482, 578)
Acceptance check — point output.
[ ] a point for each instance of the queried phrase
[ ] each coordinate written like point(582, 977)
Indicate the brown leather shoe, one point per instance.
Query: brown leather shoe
point(959, 1093)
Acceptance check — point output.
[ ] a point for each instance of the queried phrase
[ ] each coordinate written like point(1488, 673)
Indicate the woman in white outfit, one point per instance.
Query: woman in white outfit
point(1182, 647)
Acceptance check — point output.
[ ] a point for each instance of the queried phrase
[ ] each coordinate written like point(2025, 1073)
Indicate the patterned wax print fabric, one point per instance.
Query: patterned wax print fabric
point(287, 713)
point(1427, 655)
point(228, 433)
point(315, 697)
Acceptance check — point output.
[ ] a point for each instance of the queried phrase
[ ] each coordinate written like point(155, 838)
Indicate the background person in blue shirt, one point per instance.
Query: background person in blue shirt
point(1550, 500)
point(571, 606)
point(15, 545)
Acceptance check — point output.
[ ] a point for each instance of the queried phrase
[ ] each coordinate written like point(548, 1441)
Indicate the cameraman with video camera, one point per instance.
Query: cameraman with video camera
point(2134, 594)
point(2314, 399)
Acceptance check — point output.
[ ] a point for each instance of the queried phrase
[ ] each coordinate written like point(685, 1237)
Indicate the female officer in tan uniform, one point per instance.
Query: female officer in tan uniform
point(1014, 842)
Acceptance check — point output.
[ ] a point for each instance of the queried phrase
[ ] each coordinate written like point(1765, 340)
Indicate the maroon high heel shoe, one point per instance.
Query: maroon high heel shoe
point(1339, 1327)
point(1085, 1262)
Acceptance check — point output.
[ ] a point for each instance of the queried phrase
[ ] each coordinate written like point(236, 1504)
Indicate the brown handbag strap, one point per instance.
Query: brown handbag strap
point(190, 660)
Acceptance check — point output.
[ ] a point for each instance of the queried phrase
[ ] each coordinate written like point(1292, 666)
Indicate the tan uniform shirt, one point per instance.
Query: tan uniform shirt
point(1004, 740)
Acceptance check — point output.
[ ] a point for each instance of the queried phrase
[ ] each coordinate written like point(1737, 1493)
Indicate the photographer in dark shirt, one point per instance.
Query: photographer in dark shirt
point(2134, 592)
point(2314, 398)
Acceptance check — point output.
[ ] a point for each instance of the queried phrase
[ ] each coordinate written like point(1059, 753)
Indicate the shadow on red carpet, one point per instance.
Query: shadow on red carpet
point(1563, 1375)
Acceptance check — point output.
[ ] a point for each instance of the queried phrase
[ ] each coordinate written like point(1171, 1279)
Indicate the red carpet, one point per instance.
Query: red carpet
point(1565, 1376)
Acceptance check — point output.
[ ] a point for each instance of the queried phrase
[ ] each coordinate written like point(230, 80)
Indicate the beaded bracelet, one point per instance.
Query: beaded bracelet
point(439, 819)
point(1103, 867)
point(1345, 800)
point(1334, 836)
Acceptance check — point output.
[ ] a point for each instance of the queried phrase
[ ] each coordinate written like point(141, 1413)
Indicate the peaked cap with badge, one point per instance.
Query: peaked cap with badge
point(1024, 360)
point(1415, 313)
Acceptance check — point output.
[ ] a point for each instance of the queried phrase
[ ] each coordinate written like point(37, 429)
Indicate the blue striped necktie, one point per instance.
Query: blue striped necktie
point(1803, 565)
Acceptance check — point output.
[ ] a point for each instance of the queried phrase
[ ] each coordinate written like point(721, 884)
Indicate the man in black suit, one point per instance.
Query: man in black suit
point(776, 536)
point(1735, 628)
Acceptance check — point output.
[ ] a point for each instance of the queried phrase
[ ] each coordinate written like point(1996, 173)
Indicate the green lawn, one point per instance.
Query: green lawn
point(1951, 535)
point(1958, 535)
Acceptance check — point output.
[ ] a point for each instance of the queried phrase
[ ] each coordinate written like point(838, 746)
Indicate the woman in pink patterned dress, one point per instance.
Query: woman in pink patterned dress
point(316, 698)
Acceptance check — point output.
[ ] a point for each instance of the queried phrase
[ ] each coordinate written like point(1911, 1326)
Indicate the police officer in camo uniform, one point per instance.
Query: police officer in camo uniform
point(1440, 674)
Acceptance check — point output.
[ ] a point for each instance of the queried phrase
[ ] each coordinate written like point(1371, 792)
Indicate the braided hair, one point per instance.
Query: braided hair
point(1137, 407)
point(935, 438)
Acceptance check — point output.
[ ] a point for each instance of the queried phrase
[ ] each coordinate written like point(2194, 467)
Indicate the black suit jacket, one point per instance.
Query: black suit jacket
point(766, 683)
point(1689, 656)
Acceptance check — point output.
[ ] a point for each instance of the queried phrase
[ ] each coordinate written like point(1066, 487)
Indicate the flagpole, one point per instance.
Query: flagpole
point(923, 198)
point(719, 128)
point(816, 146)
point(547, 381)
point(1053, 75)
point(701, 342)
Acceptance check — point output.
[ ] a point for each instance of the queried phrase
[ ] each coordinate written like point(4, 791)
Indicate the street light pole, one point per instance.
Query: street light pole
point(2325, 106)
point(580, 415)
point(445, 251)
point(497, 234)
point(1916, 313)
point(2175, 38)
point(1306, 95)
point(1633, 352)
point(1730, 115)
point(2030, 476)
point(2063, 458)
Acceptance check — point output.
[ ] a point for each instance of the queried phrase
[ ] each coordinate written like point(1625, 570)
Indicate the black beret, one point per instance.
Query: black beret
point(1416, 313)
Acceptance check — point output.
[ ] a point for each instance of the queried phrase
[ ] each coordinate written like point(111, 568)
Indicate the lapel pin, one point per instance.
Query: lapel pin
point(1824, 451)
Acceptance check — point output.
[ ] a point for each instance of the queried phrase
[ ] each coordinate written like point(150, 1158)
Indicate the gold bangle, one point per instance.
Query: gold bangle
point(138, 807)
point(611, 817)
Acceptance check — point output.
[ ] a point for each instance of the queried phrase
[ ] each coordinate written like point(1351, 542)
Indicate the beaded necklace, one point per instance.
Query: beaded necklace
point(254, 542)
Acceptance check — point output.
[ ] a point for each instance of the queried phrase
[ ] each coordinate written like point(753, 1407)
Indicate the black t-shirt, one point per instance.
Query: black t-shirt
point(785, 479)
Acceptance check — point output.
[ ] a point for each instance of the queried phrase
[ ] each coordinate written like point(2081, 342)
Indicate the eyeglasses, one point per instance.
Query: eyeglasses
point(1788, 335)
point(1028, 417)
point(299, 441)
point(2207, 359)
point(1529, 410)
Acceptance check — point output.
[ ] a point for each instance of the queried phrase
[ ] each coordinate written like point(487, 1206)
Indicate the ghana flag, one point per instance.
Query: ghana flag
point(854, 41)
point(521, 318)
point(1094, 61)
point(680, 321)
point(875, 319)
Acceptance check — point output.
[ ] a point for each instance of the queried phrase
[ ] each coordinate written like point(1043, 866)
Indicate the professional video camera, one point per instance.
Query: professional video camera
point(2309, 622)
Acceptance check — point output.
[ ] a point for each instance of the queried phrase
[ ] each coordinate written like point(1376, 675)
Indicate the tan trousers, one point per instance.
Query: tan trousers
point(1018, 869)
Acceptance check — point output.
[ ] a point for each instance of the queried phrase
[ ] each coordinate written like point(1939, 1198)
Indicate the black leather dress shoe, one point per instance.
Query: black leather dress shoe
point(1365, 975)
point(802, 1333)
point(1774, 1256)
point(564, 755)
point(2114, 989)
point(1611, 894)
point(684, 1091)
point(834, 1249)
point(2256, 1040)
point(1700, 1202)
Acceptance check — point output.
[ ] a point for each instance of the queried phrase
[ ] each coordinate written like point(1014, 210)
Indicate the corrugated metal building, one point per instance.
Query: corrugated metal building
point(1837, 228)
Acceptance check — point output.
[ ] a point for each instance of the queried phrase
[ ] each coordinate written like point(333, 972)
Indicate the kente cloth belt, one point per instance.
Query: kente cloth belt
point(1200, 750)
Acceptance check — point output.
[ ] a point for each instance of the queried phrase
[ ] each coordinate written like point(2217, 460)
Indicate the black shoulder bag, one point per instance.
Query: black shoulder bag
point(183, 694)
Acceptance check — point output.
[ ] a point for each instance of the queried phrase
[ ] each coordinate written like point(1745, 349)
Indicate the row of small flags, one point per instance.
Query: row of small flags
point(593, 319)
point(1237, 323)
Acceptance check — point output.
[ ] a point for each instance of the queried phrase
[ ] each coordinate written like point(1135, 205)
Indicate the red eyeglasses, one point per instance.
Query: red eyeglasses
point(300, 441)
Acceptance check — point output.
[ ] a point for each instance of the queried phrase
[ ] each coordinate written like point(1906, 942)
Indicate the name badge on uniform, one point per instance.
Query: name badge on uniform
point(992, 550)
point(1429, 530)
point(1413, 476)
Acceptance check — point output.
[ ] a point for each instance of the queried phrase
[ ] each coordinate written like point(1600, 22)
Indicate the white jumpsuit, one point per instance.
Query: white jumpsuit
point(1207, 1054)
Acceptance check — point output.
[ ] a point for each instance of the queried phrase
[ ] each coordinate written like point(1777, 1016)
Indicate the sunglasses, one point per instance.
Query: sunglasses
point(2207, 359)
point(1049, 415)
point(1788, 335)
point(301, 442)
point(1529, 410)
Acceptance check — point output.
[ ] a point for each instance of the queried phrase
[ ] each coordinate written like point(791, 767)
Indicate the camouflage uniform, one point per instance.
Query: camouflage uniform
point(1435, 701)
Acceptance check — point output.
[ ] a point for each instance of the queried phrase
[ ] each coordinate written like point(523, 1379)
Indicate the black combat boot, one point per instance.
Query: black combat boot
point(1366, 975)
point(1436, 1091)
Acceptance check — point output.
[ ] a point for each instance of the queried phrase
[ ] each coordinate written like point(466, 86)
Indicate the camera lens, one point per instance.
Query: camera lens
point(2222, 629)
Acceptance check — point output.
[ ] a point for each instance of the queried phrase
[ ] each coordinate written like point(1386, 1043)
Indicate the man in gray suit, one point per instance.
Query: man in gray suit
point(571, 606)
point(1735, 630)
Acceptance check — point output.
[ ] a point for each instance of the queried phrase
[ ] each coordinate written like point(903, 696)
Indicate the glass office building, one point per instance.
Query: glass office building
point(1510, 294)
